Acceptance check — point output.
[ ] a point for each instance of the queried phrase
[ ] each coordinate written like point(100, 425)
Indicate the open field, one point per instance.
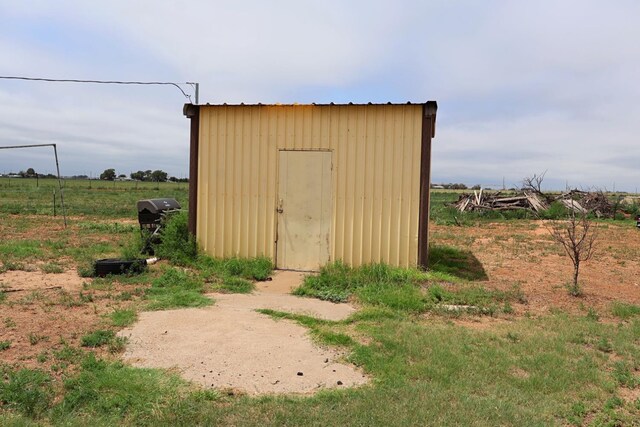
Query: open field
point(522, 352)
point(115, 199)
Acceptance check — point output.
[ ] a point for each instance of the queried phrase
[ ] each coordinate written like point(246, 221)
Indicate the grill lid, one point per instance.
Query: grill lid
point(157, 205)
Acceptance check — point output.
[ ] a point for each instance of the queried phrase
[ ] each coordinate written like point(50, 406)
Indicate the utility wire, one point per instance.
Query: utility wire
point(114, 82)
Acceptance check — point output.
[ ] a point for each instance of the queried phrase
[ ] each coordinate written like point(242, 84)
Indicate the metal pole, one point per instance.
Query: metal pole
point(196, 87)
point(64, 213)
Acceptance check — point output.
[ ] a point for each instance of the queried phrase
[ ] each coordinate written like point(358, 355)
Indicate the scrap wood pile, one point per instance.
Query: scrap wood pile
point(480, 200)
point(534, 200)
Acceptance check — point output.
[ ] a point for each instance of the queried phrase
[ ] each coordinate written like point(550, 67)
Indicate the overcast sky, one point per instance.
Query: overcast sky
point(522, 86)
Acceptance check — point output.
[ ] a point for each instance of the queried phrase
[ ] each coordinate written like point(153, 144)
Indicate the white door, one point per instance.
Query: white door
point(304, 210)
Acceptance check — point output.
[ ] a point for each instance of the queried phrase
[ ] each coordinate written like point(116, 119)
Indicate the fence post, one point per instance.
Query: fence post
point(54, 202)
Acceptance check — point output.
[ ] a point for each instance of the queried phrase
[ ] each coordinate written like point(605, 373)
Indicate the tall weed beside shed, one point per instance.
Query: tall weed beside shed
point(177, 244)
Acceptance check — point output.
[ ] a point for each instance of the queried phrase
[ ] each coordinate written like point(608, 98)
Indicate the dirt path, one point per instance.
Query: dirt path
point(230, 345)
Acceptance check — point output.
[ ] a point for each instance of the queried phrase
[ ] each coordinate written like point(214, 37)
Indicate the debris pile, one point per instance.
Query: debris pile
point(499, 202)
point(581, 202)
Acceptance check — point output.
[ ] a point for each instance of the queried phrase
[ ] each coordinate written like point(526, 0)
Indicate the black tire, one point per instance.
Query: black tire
point(104, 267)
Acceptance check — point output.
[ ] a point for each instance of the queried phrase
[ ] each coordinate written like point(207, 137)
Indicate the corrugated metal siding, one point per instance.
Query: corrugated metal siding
point(375, 177)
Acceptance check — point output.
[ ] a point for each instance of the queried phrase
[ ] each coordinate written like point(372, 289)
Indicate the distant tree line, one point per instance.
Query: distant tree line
point(31, 173)
point(147, 175)
point(110, 175)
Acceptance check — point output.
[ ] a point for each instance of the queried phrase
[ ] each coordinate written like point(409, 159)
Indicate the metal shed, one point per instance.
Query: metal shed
point(309, 184)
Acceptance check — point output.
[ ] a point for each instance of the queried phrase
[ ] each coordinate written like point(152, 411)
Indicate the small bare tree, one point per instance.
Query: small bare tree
point(577, 236)
point(534, 184)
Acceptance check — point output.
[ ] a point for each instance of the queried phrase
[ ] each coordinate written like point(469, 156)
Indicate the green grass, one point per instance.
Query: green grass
point(407, 290)
point(11, 250)
point(5, 345)
point(112, 392)
point(28, 392)
point(542, 371)
point(455, 262)
point(236, 285)
point(83, 197)
point(233, 275)
point(177, 244)
point(97, 338)
point(176, 288)
point(52, 268)
point(337, 282)
point(624, 311)
point(123, 318)
point(258, 268)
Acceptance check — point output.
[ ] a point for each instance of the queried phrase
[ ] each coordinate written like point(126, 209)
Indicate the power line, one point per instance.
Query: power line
point(114, 82)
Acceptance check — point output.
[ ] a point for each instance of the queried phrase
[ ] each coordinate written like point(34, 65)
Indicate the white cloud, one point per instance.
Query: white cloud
point(523, 86)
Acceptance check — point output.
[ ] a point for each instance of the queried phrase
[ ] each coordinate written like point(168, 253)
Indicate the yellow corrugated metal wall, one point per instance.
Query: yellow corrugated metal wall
point(376, 174)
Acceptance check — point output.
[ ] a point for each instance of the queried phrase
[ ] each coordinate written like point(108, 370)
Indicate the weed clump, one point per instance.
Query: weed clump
point(624, 311)
point(122, 318)
point(258, 268)
point(556, 210)
point(97, 338)
point(27, 391)
point(177, 244)
point(401, 289)
point(113, 390)
point(176, 288)
point(376, 284)
point(234, 274)
point(237, 285)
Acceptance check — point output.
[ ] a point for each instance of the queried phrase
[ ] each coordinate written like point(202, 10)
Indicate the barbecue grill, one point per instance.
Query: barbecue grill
point(151, 215)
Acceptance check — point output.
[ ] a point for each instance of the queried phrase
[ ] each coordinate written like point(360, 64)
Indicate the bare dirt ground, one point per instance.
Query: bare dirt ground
point(523, 254)
point(47, 313)
point(231, 346)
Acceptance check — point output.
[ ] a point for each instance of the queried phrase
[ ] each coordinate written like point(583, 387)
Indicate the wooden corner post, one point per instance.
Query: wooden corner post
point(192, 112)
point(428, 131)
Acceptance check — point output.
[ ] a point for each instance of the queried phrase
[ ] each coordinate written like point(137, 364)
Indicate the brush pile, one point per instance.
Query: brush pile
point(581, 202)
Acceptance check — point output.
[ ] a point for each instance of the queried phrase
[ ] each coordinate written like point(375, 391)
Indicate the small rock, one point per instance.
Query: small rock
point(326, 360)
point(339, 382)
point(300, 374)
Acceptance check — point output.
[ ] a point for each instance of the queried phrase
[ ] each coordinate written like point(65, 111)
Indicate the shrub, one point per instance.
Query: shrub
point(556, 210)
point(177, 244)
